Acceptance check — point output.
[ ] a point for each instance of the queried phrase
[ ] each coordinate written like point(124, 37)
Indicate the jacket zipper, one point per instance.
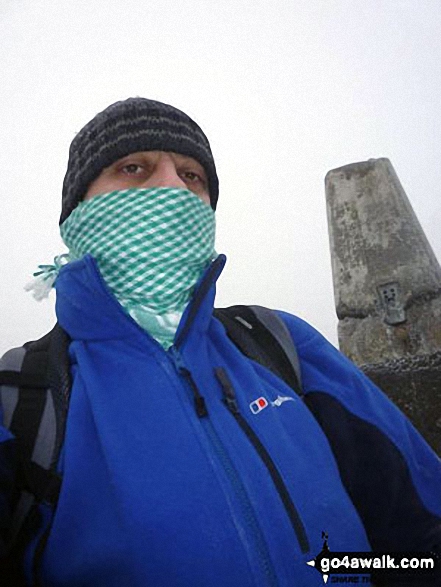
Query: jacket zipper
point(199, 296)
point(263, 556)
point(293, 515)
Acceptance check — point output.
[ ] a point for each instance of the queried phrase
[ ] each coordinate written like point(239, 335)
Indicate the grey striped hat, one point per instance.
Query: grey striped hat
point(129, 126)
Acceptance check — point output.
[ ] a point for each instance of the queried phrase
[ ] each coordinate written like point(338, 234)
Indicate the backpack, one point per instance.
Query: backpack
point(35, 392)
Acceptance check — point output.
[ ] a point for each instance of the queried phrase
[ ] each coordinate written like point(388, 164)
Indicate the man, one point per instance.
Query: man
point(183, 462)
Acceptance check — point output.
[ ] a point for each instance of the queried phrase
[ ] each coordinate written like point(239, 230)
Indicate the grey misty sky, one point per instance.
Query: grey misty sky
point(285, 90)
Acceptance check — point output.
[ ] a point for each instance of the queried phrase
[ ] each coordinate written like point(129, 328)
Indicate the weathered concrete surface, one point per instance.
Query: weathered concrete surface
point(370, 339)
point(387, 286)
point(413, 384)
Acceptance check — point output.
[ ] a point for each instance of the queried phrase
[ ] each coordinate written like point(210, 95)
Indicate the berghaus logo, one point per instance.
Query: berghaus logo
point(258, 405)
point(261, 403)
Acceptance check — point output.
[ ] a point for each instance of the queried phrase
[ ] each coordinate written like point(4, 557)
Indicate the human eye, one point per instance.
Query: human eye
point(194, 177)
point(132, 169)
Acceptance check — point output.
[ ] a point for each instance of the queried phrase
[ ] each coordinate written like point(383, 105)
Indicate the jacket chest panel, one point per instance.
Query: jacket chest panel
point(150, 489)
point(159, 478)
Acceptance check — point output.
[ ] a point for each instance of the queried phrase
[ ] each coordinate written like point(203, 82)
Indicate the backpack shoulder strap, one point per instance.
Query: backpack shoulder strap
point(261, 335)
point(35, 390)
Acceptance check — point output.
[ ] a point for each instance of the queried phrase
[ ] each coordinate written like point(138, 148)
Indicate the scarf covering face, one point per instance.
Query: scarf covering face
point(151, 246)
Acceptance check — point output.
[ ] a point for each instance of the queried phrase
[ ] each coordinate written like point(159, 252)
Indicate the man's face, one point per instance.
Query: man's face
point(148, 169)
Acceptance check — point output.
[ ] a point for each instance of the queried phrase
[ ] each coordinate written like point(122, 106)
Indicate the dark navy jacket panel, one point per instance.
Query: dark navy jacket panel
point(378, 480)
point(388, 469)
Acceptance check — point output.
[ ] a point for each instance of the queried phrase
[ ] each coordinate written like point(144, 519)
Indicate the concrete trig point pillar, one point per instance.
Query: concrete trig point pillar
point(387, 286)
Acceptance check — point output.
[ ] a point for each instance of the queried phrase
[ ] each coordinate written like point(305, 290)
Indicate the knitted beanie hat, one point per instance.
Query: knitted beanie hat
point(126, 127)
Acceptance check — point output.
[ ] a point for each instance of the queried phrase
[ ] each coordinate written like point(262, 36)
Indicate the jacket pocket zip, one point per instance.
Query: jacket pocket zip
point(293, 515)
point(246, 507)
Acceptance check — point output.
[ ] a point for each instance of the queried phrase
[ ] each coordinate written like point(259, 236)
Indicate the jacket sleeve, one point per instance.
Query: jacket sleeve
point(391, 474)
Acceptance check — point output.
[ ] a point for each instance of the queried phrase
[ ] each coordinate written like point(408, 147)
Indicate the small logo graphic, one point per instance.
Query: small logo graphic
point(324, 552)
point(258, 405)
point(281, 399)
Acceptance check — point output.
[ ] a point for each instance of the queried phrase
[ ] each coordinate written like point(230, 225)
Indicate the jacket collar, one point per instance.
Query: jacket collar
point(88, 310)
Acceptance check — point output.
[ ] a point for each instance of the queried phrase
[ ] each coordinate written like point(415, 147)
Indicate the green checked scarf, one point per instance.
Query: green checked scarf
point(151, 246)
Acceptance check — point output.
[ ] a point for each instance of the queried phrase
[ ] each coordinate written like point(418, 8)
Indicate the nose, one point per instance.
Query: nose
point(164, 174)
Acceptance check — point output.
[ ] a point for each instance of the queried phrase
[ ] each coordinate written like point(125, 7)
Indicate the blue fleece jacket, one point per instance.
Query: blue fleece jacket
point(156, 495)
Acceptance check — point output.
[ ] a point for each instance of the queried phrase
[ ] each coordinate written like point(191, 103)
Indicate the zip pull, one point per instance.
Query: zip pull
point(199, 400)
point(228, 390)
